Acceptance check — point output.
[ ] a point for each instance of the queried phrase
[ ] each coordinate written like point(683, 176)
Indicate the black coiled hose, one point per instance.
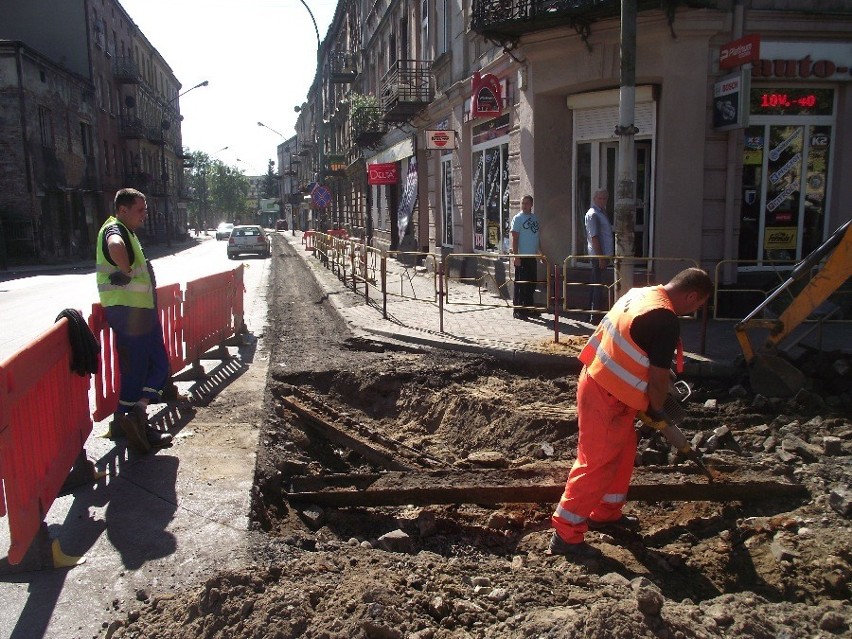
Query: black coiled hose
point(84, 347)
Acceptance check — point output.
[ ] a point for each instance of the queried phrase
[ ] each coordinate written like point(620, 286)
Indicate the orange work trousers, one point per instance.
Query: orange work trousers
point(598, 482)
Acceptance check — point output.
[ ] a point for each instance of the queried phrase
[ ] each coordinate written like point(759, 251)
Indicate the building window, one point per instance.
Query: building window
point(86, 139)
point(444, 29)
point(424, 30)
point(45, 125)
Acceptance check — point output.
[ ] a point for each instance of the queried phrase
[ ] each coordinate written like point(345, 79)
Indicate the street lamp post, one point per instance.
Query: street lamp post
point(164, 125)
point(320, 125)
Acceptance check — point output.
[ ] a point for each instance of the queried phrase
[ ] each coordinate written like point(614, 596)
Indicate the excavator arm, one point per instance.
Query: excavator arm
point(834, 272)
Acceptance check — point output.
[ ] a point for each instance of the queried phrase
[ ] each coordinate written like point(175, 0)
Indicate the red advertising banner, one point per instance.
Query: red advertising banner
point(383, 173)
point(738, 52)
point(486, 96)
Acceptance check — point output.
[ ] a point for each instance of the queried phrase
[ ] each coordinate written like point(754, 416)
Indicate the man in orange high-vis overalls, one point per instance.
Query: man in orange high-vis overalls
point(627, 367)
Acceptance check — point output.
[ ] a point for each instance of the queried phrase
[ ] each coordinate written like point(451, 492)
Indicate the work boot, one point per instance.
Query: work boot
point(582, 550)
point(135, 426)
point(628, 522)
point(157, 438)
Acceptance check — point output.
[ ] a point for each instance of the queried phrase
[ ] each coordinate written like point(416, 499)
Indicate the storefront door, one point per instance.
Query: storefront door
point(597, 163)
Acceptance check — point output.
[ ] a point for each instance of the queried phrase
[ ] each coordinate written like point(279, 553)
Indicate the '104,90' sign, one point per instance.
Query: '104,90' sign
point(383, 173)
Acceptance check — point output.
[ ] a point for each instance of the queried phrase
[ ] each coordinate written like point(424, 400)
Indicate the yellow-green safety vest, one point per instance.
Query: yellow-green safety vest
point(139, 291)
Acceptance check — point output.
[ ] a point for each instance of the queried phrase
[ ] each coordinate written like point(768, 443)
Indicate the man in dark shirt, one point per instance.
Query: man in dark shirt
point(627, 368)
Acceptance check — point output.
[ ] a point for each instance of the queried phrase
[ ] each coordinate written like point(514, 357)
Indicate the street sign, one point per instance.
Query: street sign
point(321, 196)
point(738, 52)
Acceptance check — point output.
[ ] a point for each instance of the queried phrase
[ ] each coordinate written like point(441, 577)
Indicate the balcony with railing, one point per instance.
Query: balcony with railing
point(137, 180)
point(125, 70)
point(405, 90)
point(342, 67)
point(503, 20)
point(131, 128)
point(365, 121)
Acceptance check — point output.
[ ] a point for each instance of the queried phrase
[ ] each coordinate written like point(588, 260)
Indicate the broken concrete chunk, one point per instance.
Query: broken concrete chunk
point(806, 451)
point(840, 499)
point(314, 517)
point(395, 541)
point(488, 459)
point(781, 551)
point(711, 404)
point(784, 456)
point(832, 446)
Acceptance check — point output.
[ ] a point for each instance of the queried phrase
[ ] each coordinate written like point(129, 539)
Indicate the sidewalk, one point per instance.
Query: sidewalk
point(489, 328)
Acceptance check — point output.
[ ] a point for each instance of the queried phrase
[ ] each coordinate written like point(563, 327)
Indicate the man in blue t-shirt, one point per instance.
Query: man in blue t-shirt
point(599, 241)
point(525, 241)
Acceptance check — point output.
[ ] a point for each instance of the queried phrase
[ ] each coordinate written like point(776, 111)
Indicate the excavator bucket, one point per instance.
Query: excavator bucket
point(773, 376)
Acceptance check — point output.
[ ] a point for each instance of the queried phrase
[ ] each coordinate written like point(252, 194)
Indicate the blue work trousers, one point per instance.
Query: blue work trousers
point(143, 363)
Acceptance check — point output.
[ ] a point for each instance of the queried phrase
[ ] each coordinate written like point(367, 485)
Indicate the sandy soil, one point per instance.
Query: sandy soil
point(760, 568)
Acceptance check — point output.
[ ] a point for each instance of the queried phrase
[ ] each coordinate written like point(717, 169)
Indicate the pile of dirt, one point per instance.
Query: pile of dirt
point(762, 568)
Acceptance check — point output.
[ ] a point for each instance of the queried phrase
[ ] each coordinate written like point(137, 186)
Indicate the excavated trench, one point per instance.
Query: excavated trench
point(409, 422)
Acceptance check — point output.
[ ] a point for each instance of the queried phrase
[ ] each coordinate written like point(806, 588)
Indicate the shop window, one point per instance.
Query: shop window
point(447, 201)
point(491, 215)
point(786, 160)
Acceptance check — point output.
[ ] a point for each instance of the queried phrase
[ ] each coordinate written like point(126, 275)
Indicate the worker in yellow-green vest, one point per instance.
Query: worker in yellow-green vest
point(126, 289)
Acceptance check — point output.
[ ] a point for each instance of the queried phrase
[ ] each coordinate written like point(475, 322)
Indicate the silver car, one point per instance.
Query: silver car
point(223, 231)
point(248, 238)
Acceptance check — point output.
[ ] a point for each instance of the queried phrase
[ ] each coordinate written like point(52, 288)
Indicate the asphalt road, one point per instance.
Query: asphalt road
point(30, 302)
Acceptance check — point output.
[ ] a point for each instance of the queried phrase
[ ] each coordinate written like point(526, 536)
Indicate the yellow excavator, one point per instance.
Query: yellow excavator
point(769, 373)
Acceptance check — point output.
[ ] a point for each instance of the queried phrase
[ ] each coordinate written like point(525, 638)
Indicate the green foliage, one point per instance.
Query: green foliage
point(364, 114)
point(219, 191)
point(269, 186)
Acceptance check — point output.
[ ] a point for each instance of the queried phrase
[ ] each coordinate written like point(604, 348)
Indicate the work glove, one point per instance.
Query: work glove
point(657, 419)
point(119, 278)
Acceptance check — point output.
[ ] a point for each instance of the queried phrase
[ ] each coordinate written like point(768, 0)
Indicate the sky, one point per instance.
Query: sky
point(259, 57)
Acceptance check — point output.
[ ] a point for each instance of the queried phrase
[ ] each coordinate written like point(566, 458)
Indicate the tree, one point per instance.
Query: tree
point(269, 187)
point(218, 190)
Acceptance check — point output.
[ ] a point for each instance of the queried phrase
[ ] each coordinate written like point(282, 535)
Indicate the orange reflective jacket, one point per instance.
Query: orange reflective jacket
point(611, 356)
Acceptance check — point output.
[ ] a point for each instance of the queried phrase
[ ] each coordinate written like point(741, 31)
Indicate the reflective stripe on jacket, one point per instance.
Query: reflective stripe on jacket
point(139, 292)
point(611, 356)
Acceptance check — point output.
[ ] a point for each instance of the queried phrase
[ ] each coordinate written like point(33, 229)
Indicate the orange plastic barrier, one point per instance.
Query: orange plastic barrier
point(209, 307)
point(343, 234)
point(308, 240)
point(169, 306)
point(44, 422)
point(107, 380)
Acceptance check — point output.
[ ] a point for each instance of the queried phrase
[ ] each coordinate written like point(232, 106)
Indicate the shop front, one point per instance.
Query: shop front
point(789, 151)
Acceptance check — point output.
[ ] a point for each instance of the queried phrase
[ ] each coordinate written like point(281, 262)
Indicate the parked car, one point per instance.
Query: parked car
point(223, 231)
point(248, 238)
point(281, 225)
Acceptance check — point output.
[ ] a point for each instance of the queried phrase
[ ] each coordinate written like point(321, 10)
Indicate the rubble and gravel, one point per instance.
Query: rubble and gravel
point(766, 569)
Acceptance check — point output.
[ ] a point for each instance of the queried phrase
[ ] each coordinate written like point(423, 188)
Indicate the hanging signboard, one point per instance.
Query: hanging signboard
point(383, 173)
point(739, 52)
point(729, 102)
point(436, 140)
point(486, 96)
